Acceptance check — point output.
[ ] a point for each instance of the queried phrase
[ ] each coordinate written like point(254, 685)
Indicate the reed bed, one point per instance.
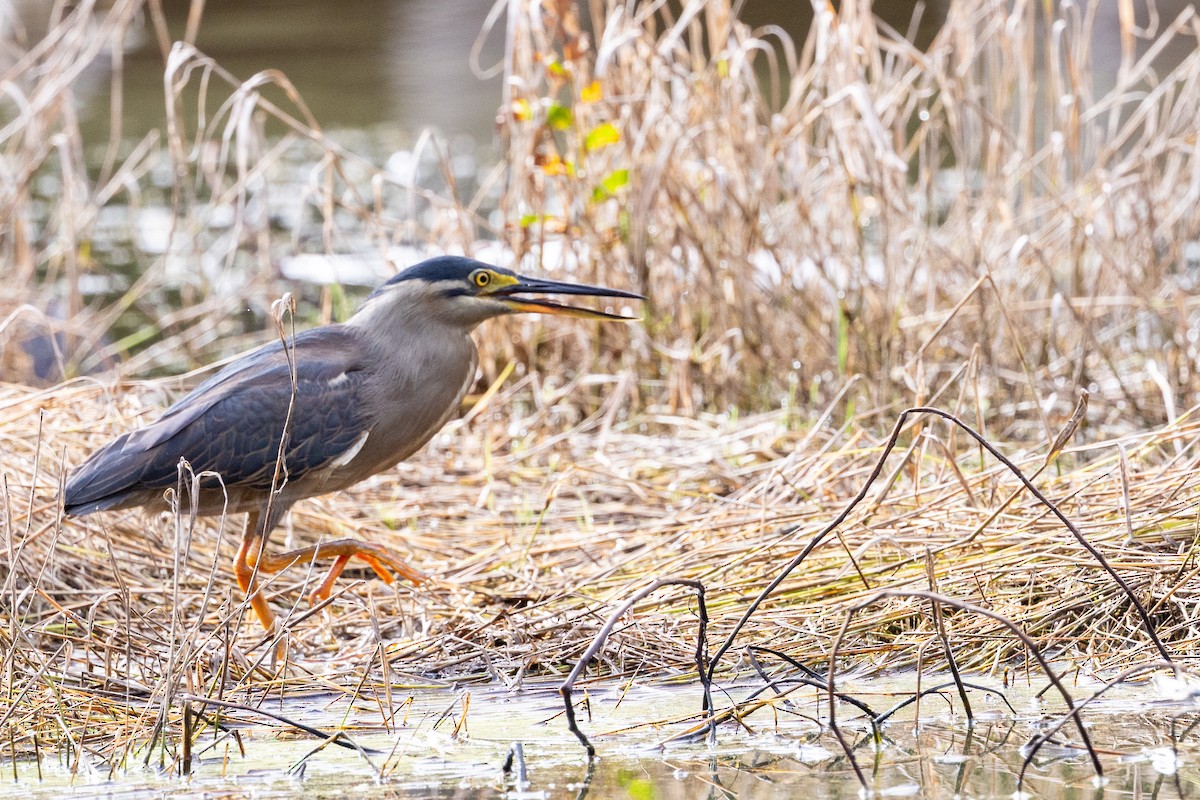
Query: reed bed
point(536, 527)
point(868, 228)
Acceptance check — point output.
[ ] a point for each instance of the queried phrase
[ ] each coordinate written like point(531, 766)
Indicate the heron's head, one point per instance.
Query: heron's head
point(462, 291)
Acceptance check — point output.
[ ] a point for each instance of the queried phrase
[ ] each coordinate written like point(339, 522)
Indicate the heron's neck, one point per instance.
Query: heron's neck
point(404, 316)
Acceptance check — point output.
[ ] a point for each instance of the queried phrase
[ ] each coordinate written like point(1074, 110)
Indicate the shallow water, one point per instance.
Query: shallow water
point(432, 752)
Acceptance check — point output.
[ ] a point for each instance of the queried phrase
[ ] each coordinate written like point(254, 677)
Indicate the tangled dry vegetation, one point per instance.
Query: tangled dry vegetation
point(538, 527)
point(868, 228)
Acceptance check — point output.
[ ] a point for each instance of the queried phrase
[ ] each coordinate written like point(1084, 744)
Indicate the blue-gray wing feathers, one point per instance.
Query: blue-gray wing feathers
point(232, 424)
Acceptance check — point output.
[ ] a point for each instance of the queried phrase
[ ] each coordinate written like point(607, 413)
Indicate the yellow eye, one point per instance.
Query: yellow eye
point(482, 278)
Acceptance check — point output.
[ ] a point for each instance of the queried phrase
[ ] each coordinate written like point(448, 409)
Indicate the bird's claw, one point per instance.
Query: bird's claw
point(378, 559)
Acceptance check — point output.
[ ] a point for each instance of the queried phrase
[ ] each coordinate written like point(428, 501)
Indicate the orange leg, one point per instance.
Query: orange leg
point(247, 578)
point(251, 558)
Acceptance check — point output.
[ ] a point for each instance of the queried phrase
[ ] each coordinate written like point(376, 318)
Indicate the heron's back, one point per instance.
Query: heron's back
point(358, 407)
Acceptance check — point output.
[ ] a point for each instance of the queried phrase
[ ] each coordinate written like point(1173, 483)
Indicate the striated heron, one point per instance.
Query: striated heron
point(367, 393)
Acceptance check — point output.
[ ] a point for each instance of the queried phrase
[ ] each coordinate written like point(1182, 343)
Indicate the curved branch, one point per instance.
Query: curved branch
point(598, 643)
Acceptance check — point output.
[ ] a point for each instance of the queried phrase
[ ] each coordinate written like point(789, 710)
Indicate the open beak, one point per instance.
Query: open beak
point(510, 296)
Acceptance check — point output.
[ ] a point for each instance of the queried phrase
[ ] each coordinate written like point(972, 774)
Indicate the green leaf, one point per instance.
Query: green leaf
point(615, 180)
point(602, 135)
point(342, 307)
point(640, 789)
point(559, 117)
point(608, 187)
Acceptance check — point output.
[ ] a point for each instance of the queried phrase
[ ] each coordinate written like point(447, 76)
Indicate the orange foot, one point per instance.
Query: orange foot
point(251, 556)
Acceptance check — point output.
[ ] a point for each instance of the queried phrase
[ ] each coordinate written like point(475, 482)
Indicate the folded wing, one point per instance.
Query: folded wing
point(233, 424)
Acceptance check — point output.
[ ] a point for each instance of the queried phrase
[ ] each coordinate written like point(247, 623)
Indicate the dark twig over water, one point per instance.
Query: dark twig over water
point(602, 636)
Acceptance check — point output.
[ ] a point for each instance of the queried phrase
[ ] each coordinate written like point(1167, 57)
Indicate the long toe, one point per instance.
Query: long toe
point(381, 560)
point(322, 592)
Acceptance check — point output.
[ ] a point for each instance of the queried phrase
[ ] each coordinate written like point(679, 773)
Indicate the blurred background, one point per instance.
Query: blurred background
point(365, 63)
point(419, 63)
point(386, 132)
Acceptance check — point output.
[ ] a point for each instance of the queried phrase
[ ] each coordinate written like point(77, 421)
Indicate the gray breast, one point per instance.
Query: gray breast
point(414, 388)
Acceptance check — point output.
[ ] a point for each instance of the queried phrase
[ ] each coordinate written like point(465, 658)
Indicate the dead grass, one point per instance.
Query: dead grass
point(897, 227)
point(536, 527)
point(873, 209)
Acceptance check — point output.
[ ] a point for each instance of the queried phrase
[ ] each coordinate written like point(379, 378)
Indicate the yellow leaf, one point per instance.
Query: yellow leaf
point(591, 93)
point(554, 165)
point(522, 110)
point(602, 135)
